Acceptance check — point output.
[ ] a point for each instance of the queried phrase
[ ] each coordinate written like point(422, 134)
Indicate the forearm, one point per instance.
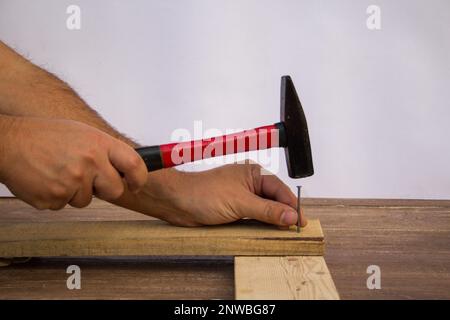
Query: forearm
point(27, 90)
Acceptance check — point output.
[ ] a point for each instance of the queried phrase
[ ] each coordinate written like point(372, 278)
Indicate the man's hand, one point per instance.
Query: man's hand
point(50, 163)
point(217, 196)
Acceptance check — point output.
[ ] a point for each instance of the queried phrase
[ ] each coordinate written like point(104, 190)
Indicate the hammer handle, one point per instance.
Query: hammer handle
point(173, 154)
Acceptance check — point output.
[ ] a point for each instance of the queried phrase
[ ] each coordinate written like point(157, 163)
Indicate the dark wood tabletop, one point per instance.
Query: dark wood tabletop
point(408, 239)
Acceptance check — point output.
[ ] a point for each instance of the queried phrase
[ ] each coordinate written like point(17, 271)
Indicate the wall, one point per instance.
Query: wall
point(377, 101)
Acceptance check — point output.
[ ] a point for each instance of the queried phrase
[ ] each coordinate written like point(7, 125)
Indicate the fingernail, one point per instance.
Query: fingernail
point(288, 218)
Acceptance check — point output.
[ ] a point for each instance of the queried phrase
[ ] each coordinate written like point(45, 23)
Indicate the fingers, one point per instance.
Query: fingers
point(107, 184)
point(268, 211)
point(127, 161)
point(271, 187)
point(83, 196)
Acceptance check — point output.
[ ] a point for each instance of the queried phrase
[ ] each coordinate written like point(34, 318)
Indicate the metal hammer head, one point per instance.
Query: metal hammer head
point(297, 145)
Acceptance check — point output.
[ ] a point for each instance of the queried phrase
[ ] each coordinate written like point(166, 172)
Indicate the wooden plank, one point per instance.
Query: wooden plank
point(121, 278)
point(410, 244)
point(379, 203)
point(283, 278)
point(155, 237)
point(14, 210)
point(402, 238)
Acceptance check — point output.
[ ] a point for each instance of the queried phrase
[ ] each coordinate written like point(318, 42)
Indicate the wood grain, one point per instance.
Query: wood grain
point(408, 239)
point(121, 278)
point(154, 237)
point(283, 278)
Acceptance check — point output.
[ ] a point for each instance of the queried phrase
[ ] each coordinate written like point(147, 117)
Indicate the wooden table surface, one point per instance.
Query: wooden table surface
point(408, 239)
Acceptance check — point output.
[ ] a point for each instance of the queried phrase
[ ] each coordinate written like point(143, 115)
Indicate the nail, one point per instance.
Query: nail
point(288, 218)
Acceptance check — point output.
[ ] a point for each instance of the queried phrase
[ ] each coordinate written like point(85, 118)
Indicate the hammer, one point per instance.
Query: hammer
point(291, 134)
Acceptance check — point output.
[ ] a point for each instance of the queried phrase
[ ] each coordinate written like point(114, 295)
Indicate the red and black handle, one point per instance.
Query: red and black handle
point(173, 154)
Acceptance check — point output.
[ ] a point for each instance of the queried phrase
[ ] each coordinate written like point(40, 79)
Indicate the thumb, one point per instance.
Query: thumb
point(268, 211)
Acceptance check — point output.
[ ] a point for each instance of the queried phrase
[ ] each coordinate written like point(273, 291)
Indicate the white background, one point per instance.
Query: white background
point(377, 102)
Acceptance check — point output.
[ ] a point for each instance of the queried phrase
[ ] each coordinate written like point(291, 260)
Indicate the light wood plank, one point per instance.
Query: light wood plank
point(155, 237)
point(283, 278)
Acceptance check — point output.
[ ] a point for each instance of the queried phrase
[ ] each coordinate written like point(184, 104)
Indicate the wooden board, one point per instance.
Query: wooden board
point(155, 237)
point(283, 278)
point(408, 239)
point(123, 278)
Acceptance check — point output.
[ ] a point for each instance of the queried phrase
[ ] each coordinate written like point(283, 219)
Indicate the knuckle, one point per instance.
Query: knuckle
point(58, 192)
point(76, 173)
point(255, 169)
point(268, 211)
point(90, 156)
point(117, 192)
point(134, 162)
point(96, 138)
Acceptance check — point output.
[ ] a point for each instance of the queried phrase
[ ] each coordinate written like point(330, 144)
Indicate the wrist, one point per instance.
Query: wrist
point(157, 197)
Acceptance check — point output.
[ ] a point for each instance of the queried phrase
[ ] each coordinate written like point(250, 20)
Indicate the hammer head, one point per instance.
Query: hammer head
point(298, 148)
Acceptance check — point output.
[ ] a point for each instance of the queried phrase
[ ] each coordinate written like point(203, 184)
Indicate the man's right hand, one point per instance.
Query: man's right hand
point(49, 163)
